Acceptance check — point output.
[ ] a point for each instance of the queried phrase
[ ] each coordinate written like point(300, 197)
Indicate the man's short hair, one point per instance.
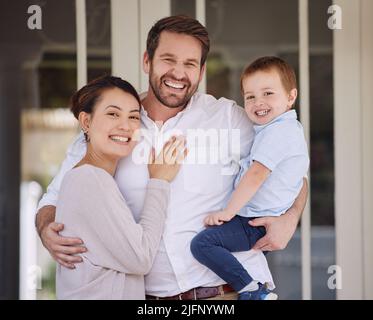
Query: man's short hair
point(179, 24)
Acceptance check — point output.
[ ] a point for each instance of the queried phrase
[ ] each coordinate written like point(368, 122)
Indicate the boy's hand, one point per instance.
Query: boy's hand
point(217, 218)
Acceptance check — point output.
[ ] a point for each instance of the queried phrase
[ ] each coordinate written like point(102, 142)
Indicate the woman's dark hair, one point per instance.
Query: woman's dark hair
point(179, 24)
point(86, 98)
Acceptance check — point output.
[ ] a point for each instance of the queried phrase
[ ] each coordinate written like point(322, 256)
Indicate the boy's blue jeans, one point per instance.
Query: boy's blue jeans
point(213, 246)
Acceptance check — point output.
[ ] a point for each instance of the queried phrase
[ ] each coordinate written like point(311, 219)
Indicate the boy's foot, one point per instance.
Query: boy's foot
point(262, 293)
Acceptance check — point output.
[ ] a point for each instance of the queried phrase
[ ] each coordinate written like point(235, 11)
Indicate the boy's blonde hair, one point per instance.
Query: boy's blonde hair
point(285, 71)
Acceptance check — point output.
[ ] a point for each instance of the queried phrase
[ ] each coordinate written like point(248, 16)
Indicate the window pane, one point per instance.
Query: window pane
point(184, 7)
point(98, 38)
point(322, 148)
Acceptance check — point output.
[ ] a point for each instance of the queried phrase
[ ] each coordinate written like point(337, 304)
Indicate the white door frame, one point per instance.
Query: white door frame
point(353, 115)
point(130, 23)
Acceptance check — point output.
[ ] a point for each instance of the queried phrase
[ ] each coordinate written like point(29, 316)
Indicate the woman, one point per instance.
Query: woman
point(90, 205)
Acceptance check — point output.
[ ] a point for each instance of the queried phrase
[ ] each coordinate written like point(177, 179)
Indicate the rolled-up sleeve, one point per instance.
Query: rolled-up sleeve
point(240, 121)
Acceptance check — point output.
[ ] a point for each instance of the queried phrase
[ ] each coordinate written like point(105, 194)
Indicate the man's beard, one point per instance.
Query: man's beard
point(171, 100)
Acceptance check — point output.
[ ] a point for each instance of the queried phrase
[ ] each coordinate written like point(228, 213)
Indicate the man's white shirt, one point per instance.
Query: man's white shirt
point(218, 134)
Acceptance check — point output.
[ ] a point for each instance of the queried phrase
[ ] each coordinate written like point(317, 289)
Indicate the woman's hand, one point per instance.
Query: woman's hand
point(166, 164)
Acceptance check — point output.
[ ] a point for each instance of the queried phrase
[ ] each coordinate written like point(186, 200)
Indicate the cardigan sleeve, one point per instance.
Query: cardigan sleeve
point(98, 214)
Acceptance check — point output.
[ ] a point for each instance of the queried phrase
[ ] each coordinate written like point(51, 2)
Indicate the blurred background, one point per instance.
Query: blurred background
point(331, 51)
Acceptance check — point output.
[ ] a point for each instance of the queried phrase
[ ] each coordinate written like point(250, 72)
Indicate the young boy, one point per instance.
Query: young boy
point(269, 180)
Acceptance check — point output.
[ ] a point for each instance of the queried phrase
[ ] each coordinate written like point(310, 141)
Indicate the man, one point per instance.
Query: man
point(175, 60)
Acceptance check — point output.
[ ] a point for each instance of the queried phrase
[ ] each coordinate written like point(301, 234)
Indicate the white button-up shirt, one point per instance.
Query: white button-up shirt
point(218, 134)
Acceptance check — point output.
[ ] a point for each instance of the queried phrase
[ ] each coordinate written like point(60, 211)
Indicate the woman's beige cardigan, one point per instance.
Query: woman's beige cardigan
point(120, 251)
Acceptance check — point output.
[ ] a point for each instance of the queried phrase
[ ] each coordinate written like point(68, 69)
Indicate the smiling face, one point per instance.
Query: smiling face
point(111, 126)
point(175, 70)
point(265, 96)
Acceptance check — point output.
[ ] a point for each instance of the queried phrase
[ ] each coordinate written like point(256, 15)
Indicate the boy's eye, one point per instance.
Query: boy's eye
point(249, 97)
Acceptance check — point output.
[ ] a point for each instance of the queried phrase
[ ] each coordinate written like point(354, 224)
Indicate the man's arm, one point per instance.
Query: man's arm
point(279, 230)
point(47, 228)
point(61, 249)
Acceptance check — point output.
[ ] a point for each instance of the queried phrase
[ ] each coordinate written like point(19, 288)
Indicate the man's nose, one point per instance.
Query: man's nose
point(178, 71)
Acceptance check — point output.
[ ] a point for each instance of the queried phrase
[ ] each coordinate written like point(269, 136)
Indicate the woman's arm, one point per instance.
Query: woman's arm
point(91, 206)
point(125, 245)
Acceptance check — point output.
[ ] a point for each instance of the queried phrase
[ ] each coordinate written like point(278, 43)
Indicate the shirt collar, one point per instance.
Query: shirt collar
point(289, 115)
point(144, 113)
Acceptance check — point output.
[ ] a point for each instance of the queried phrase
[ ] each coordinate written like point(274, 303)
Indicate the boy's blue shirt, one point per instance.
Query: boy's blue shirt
point(279, 145)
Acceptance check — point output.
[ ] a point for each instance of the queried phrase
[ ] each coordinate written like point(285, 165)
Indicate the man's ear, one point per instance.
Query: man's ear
point(84, 120)
point(146, 63)
point(202, 72)
point(292, 97)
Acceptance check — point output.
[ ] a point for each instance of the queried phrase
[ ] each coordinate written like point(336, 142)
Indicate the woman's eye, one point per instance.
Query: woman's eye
point(135, 118)
point(113, 114)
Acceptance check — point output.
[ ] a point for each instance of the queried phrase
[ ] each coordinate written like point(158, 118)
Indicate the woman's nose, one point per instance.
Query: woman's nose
point(124, 125)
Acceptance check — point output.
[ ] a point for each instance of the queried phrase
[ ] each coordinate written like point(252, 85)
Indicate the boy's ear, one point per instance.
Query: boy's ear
point(292, 97)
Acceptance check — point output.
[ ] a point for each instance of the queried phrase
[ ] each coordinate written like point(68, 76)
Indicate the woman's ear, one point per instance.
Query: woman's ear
point(292, 97)
point(84, 121)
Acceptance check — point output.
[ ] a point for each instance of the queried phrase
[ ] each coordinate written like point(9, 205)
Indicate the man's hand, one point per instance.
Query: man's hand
point(217, 218)
point(279, 231)
point(62, 249)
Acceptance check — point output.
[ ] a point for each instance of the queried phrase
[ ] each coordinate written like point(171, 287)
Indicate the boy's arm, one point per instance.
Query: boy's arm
point(247, 187)
point(279, 230)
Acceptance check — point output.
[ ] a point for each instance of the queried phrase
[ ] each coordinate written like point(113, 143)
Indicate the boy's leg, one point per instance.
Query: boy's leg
point(213, 246)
